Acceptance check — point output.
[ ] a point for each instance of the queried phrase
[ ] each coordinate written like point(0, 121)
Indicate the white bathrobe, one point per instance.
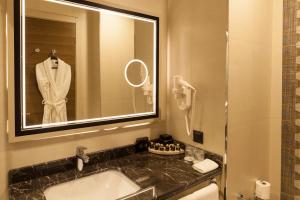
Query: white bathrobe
point(54, 85)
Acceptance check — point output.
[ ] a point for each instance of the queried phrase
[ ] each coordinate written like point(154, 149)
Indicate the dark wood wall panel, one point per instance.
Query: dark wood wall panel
point(47, 35)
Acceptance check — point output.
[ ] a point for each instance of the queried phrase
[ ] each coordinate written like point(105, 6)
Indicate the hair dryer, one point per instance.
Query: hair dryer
point(185, 95)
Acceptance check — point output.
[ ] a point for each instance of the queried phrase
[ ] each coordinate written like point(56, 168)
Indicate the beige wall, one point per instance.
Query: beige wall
point(197, 51)
point(115, 53)
point(93, 67)
point(27, 153)
point(143, 50)
point(254, 95)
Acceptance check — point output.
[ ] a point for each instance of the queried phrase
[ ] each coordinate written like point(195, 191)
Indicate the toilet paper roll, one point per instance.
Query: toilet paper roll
point(262, 189)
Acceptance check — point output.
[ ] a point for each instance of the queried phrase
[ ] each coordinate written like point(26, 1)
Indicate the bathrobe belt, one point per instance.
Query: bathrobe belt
point(55, 105)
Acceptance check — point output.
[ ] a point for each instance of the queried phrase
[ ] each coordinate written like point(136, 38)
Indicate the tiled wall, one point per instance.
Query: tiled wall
point(290, 171)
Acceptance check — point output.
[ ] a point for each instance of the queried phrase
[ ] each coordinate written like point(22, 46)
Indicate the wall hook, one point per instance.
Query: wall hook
point(37, 50)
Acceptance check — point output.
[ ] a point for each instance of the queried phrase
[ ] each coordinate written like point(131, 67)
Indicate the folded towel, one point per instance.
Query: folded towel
point(210, 192)
point(205, 166)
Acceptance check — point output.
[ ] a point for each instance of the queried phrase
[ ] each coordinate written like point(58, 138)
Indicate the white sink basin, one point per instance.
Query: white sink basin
point(109, 185)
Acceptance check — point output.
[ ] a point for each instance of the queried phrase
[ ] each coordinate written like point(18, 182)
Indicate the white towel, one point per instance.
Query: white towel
point(205, 166)
point(210, 192)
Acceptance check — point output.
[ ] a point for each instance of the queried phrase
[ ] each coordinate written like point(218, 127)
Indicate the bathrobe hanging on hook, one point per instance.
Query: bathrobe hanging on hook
point(54, 79)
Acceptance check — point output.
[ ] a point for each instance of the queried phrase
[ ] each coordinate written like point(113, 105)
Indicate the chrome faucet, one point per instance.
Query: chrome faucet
point(81, 157)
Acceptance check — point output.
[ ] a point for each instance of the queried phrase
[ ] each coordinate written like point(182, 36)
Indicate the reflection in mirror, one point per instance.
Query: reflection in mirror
point(137, 76)
point(74, 63)
point(136, 73)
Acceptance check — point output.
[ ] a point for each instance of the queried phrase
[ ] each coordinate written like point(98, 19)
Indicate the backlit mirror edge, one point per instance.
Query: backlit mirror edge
point(15, 134)
point(101, 130)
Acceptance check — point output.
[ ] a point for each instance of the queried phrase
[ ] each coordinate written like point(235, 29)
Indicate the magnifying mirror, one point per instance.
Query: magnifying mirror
point(136, 73)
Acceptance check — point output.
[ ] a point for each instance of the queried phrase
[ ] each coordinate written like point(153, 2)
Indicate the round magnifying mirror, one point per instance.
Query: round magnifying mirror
point(136, 73)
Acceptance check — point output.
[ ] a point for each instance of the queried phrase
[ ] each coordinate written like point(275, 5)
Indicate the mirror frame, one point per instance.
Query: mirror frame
point(18, 75)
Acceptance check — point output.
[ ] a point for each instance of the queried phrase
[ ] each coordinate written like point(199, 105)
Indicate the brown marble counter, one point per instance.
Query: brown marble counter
point(169, 175)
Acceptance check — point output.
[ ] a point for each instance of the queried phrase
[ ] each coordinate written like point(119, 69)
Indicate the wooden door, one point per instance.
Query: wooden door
point(47, 35)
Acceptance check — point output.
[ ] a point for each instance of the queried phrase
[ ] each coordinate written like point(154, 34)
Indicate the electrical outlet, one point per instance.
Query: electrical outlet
point(198, 136)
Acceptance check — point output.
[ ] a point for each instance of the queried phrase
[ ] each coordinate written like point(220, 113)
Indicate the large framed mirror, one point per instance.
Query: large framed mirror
point(80, 64)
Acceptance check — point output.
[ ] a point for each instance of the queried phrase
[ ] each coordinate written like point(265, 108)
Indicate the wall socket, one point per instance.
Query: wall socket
point(198, 136)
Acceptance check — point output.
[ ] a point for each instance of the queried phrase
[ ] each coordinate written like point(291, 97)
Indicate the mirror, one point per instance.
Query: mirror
point(83, 64)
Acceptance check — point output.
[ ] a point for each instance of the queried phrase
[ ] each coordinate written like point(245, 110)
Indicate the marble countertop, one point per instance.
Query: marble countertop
point(170, 175)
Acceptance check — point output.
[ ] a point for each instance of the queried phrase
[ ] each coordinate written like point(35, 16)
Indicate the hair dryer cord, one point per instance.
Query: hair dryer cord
point(189, 121)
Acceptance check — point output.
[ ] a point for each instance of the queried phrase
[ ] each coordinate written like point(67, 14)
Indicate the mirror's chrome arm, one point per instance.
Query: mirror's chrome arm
point(80, 154)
